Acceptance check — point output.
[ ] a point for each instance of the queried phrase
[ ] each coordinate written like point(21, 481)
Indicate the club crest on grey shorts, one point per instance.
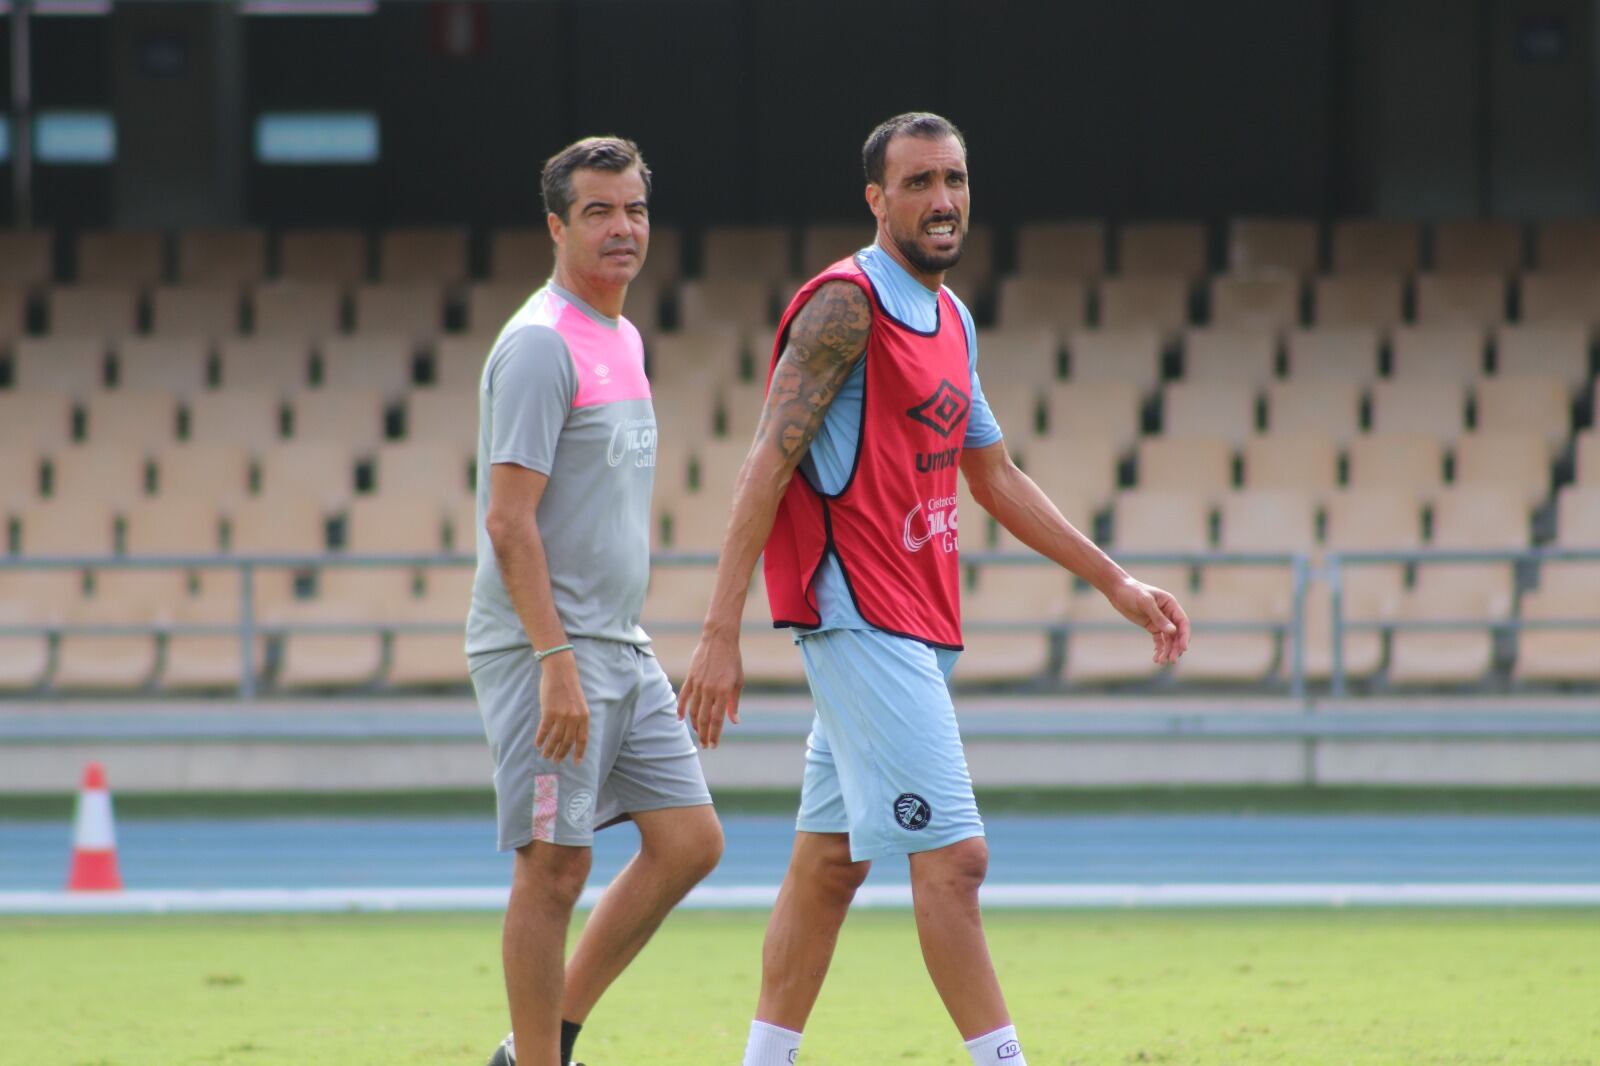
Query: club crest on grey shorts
point(640, 757)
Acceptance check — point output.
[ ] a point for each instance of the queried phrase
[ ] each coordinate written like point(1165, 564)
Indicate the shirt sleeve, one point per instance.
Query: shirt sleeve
point(982, 429)
point(532, 384)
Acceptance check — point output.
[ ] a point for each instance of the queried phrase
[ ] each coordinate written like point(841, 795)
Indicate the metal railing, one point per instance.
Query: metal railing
point(1302, 572)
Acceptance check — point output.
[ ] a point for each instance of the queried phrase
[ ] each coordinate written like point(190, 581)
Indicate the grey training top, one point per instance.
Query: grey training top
point(564, 393)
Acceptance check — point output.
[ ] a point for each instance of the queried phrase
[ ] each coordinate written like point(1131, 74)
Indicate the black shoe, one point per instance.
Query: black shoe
point(505, 1054)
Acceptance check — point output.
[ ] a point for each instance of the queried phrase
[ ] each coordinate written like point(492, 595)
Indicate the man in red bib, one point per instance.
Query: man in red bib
point(873, 397)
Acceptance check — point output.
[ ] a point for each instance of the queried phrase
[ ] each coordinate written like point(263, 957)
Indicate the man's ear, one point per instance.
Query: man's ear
point(556, 226)
point(875, 200)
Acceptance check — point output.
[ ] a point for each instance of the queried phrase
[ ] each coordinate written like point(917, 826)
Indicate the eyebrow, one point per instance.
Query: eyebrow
point(922, 174)
point(592, 204)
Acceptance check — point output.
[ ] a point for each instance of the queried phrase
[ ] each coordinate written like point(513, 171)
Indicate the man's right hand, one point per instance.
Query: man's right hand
point(711, 689)
point(563, 712)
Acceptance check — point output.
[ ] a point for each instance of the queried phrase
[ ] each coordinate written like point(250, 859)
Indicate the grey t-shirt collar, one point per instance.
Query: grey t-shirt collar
point(575, 301)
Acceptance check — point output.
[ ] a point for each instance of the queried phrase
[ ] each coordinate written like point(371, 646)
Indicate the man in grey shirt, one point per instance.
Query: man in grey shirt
point(582, 720)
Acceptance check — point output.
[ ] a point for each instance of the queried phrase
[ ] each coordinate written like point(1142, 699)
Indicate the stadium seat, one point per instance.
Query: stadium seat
point(491, 303)
point(1370, 520)
point(973, 277)
point(768, 654)
point(1330, 407)
point(1162, 249)
point(102, 312)
point(521, 257)
point(1536, 404)
point(231, 257)
point(1451, 354)
point(1477, 245)
point(672, 467)
point(1030, 355)
point(1068, 250)
point(1202, 465)
point(823, 245)
point(719, 352)
point(1146, 300)
point(458, 361)
point(1240, 355)
point(1464, 518)
point(163, 364)
point(135, 258)
point(13, 315)
point(278, 365)
point(74, 366)
point(430, 256)
point(424, 470)
point(1089, 408)
point(1544, 349)
point(1568, 592)
point(741, 404)
point(1587, 458)
point(1472, 299)
point(27, 258)
point(1366, 245)
point(1411, 461)
point(250, 419)
point(202, 311)
point(1015, 404)
point(1273, 245)
point(412, 309)
point(114, 472)
point(331, 256)
point(354, 417)
point(298, 310)
point(443, 415)
point(131, 419)
point(1551, 296)
point(643, 307)
point(1517, 461)
point(701, 517)
point(218, 471)
point(685, 406)
point(321, 470)
point(21, 476)
point(719, 302)
point(1348, 353)
point(461, 520)
point(1143, 521)
point(1074, 469)
point(1059, 304)
point(1373, 300)
point(1307, 460)
point(1129, 354)
point(41, 420)
point(1218, 409)
point(1569, 244)
point(380, 362)
point(758, 252)
point(279, 522)
point(420, 660)
point(1036, 593)
point(1257, 301)
point(1409, 406)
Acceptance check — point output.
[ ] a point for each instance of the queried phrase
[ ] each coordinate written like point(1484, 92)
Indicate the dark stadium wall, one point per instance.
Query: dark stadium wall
point(753, 110)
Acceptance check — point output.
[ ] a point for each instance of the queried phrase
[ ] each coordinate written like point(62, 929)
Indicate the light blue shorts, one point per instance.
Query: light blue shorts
point(884, 761)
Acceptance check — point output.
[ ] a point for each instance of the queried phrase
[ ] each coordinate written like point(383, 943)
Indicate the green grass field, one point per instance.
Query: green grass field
point(1106, 987)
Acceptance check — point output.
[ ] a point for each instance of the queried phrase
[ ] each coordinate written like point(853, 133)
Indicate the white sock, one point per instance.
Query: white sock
point(771, 1045)
point(999, 1048)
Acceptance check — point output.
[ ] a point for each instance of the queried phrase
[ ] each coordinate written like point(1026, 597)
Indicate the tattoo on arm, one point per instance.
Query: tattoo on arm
point(825, 340)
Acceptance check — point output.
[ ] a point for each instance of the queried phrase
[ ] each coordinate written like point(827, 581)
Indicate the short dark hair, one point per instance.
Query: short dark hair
point(614, 154)
point(911, 124)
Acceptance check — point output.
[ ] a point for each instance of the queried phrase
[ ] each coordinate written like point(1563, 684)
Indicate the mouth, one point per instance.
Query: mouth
point(941, 229)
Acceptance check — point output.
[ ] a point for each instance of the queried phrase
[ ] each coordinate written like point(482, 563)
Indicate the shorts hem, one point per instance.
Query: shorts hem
point(801, 826)
point(889, 850)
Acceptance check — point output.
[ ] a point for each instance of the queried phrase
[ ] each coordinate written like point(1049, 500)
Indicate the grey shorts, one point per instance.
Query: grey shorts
point(640, 757)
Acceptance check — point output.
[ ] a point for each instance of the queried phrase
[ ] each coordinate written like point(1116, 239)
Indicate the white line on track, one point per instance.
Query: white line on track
point(761, 897)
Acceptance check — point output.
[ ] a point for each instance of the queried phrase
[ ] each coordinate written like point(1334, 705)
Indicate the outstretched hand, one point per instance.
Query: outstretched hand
point(1158, 612)
point(711, 690)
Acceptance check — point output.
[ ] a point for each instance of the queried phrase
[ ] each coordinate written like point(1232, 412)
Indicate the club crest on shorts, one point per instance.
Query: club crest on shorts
point(579, 805)
point(912, 811)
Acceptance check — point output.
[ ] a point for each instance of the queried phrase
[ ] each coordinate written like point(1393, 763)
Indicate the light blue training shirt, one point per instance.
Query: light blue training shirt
point(832, 455)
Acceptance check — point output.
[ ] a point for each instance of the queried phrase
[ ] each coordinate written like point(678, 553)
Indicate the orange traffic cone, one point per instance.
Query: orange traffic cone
point(94, 839)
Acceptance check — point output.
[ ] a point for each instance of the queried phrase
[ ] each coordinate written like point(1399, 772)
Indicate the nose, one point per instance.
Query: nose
point(943, 202)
